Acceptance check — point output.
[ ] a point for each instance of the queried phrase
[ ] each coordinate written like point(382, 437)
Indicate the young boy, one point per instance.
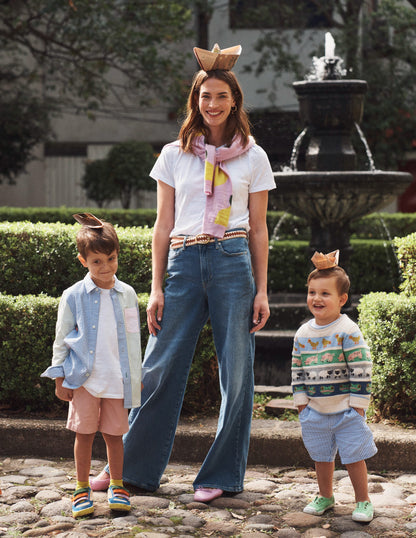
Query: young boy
point(331, 383)
point(96, 360)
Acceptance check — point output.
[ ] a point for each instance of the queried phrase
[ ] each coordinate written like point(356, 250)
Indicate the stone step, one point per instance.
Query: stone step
point(289, 311)
point(278, 406)
point(273, 357)
point(270, 390)
point(287, 315)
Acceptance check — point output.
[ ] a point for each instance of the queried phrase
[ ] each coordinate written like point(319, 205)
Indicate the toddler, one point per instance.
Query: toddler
point(331, 383)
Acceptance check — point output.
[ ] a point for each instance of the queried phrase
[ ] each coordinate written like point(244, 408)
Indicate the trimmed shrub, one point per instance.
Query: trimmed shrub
point(120, 217)
point(27, 323)
point(284, 226)
point(384, 226)
point(388, 322)
point(288, 266)
point(280, 224)
point(406, 253)
point(42, 258)
point(373, 266)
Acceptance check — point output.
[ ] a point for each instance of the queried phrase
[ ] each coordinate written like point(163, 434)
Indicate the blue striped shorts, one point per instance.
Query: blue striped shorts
point(346, 432)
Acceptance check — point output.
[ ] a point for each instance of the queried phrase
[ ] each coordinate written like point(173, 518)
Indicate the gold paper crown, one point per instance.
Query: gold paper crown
point(216, 58)
point(325, 261)
point(88, 219)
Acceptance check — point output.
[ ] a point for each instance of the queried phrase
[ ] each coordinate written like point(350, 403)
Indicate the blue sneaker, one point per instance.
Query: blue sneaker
point(118, 498)
point(81, 503)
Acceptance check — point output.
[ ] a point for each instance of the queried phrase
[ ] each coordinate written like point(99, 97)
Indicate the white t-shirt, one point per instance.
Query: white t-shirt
point(106, 380)
point(250, 172)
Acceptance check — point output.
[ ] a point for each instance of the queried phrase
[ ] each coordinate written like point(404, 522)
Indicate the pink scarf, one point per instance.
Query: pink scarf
point(217, 182)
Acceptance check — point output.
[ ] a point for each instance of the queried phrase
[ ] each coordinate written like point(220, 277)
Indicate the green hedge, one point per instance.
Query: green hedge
point(282, 225)
point(373, 266)
point(384, 226)
point(406, 254)
point(388, 322)
point(121, 217)
point(27, 323)
point(42, 258)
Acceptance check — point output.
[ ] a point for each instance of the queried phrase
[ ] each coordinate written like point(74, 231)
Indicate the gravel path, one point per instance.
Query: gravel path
point(36, 502)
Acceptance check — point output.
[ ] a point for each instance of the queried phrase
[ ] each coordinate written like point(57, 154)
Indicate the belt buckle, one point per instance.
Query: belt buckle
point(202, 239)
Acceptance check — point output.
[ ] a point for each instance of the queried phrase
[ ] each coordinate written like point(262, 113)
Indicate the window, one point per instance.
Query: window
point(284, 14)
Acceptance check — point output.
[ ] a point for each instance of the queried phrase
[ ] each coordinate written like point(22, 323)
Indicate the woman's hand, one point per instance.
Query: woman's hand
point(160, 248)
point(261, 312)
point(155, 311)
point(359, 410)
point(301, 408)
point(62, 392)
point(259, 249)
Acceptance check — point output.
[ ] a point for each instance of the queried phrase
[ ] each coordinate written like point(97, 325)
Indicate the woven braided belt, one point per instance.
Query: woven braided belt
point(204, 239)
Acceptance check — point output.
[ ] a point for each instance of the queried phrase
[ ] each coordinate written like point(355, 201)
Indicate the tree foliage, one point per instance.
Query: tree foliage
point(95, 57)
point(129, 164)
point(97, 182)
point(23, 124)
point(376, 40)
point(121, 174)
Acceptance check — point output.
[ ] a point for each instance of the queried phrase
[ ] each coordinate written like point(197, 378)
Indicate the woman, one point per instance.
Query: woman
point(211, 237)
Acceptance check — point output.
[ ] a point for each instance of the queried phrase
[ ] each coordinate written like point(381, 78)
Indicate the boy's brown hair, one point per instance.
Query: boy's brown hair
point(97, 240)
point(342, 279)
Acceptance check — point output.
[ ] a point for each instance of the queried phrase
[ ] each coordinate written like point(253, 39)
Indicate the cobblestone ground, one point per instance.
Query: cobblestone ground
point(36, 502)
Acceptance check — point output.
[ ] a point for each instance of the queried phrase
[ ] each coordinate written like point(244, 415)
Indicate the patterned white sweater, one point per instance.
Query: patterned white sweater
point(331, 367)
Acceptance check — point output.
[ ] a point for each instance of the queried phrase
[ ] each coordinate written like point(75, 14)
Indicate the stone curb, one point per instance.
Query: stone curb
point(273, 442)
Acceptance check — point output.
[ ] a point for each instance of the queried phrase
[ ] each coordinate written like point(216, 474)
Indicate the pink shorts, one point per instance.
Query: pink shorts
point(88, 414)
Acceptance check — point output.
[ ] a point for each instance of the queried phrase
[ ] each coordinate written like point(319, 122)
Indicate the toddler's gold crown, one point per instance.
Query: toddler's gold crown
point(325, 261)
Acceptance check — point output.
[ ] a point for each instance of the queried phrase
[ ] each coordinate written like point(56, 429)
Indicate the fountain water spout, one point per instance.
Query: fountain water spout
point(329, 45)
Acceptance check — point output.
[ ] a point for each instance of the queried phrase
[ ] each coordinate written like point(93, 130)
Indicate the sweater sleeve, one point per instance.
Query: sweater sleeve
point(358, 358)
point(64, 325)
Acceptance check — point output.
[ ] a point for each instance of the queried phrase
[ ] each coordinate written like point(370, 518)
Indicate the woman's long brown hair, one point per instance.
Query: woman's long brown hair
point(193, 125)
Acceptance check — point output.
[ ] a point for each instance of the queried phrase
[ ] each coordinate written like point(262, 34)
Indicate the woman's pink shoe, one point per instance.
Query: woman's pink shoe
point(100, 482)
point(204, 495)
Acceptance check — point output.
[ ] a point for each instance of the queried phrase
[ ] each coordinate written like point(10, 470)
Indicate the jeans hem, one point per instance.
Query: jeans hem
point(226, 489)
point(140, 485)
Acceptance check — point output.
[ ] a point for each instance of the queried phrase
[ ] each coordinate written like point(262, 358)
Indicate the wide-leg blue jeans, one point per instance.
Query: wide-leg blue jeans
point(204, 281)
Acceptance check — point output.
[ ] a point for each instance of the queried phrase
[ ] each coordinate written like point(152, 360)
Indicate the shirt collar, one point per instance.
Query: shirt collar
point(91, 286)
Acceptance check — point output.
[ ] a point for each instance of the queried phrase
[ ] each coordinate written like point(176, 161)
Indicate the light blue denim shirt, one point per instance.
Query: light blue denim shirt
point(76, 336)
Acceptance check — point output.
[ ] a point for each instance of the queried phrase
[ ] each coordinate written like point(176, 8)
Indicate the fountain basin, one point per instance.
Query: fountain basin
point(336, 197)
point(331, 104)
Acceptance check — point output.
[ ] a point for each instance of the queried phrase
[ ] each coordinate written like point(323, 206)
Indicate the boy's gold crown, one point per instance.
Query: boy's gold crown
point(216, 58)
point(325, 261)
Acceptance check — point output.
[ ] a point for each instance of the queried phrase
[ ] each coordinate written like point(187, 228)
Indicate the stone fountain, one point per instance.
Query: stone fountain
point(323, 184)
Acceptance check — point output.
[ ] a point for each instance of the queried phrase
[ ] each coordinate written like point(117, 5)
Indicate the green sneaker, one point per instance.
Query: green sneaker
point(363, 512)
point(319, 505)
